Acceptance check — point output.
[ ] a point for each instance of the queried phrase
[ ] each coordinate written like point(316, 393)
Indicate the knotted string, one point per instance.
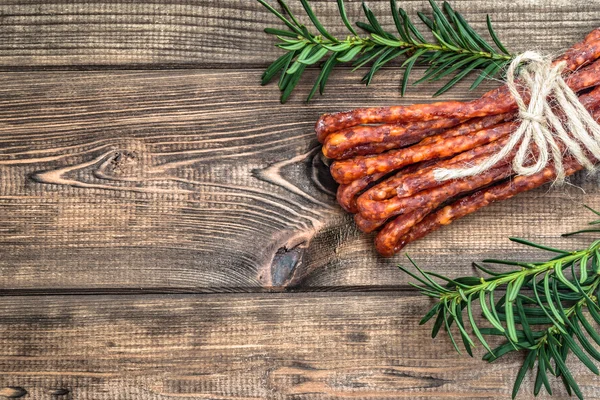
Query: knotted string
point(554, 137)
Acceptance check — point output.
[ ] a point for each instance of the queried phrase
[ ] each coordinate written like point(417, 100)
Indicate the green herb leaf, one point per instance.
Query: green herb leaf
point(409, 64)
point(279, 32)
point(562, 367)
point(493, 35)
point(342, 10)
point(527, 364)
point(567, 340)
point(349, 54)
point(316, 21)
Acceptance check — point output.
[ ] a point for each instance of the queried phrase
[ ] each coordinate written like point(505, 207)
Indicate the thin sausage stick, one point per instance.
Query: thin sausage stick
point(395, 229)
point(387, 239)
point(368, 225)
point(388, 236)
point(346, 194)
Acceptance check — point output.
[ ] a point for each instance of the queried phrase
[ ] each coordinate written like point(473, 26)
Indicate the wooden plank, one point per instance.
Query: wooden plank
point(269, 346)
point(230, 33)
point(202, 181)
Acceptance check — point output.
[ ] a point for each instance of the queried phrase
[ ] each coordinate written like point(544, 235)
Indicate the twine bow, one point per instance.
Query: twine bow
point(553, 136)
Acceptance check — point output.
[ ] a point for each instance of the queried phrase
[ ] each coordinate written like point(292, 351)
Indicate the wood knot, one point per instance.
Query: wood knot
point(12, 392)
point(59, 392)
point(284, 265)
point(121, 164)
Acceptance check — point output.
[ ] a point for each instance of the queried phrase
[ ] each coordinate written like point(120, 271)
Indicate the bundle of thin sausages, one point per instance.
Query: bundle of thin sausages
point(385, 157)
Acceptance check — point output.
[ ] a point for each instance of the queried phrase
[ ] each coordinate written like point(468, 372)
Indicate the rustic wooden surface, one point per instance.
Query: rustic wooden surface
point(153, 197)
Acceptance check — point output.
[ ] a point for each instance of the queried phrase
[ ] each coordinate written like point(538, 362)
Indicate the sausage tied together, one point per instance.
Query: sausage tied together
point(385, 158)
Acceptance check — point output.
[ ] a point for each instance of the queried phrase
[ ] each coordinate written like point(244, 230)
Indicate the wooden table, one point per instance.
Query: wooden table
point(168, 229)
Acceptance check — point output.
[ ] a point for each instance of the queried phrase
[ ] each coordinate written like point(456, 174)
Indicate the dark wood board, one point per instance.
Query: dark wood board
point(153, 195)
point(242, 346)
point(201, 181)
point(200, 33)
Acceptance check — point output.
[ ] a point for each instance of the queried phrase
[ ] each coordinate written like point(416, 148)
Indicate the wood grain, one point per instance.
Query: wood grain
point(236, 346)
point(201, 181)
point(115, 184)
point(182, 33)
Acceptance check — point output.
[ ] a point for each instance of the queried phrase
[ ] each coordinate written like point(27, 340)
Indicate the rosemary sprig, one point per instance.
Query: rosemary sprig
point(546, 311)
point(456, 49)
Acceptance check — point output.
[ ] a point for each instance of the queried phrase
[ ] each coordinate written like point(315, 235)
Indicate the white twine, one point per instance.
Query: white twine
point(540, 125)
